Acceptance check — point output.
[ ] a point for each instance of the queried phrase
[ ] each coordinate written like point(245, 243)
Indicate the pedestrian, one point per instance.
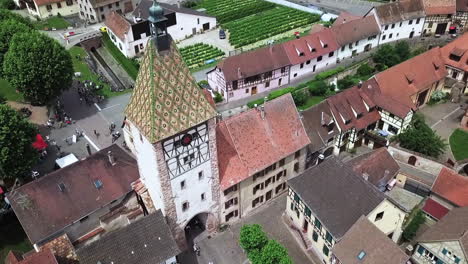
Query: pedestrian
point(96, 133)
point(81, 100)
point(196, 249)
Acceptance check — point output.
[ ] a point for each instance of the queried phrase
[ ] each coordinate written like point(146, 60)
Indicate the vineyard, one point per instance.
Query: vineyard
point(196, 55)
point(229, 10)
point(266, 24)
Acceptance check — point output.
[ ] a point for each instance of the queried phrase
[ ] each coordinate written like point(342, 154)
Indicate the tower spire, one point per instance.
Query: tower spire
point(158, 28)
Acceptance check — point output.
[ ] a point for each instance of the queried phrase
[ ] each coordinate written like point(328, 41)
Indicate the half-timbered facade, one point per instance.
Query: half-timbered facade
point(455, 56)
point(439, 16)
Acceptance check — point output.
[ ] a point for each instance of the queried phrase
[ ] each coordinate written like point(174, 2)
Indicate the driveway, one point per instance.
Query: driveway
point(223, 248)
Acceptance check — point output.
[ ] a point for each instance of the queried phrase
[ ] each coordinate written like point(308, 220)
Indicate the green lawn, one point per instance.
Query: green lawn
point(459, 144)
point(12, 236)
point(130, 66)
point(7, 91)
point(311, 101)
point(79, 65)
point(53, 22)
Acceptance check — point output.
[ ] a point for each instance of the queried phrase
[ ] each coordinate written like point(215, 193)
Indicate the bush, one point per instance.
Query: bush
point(299, 97)
point(365, 70)
point(218, 98)
point(319, 88)
point(346, 82)
point(7, 4)
point(326, 74)
point(203, 83)
point(410, 230)
point(280, 92)
point(189, 4)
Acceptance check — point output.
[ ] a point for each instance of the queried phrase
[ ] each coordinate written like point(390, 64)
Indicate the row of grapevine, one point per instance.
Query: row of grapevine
point(197, 54)
point(267, 24)
point(229, 10)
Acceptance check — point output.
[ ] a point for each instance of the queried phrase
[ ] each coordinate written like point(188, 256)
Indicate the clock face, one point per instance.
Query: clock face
point(186, 140)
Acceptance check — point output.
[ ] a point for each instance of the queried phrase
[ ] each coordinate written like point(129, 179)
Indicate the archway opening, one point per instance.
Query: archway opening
point(412, 160)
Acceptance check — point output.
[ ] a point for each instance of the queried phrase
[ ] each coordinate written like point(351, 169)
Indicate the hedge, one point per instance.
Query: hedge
point(326, 74)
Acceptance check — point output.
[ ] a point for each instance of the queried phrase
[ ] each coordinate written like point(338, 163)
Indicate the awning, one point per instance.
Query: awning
point(39, 144)
point(435, 209)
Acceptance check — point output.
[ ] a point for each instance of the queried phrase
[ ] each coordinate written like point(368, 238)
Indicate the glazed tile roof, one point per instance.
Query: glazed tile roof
point(439, 7)
point(410, 77)
point(45, 206)
point(455, 53)
point(452, 187)
point(117, 24)
point(166, 99)
point(366, 237)
point(247, 143)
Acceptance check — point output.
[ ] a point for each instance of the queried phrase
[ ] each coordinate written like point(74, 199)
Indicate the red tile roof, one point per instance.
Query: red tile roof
point(412, 76)
point(345, 17)
point(452, 186)
point(266, 59)
point(439, 7)
point(117, 24)
point(455, 53)
point(247, 143)
point(42, 257)
point(344, 105)
point(435, 209)
point(323, 42)
point(43, 209)
point(46, 2)
point(355, 30)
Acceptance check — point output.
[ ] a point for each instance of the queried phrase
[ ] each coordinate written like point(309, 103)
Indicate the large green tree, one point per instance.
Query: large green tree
point(8, 28)
point(37, 66)
point(252, 237)
point(421, 138)
point(273, 253)
point(17, 155)
point(385, 57)
point(7, 14)
point(402, 49)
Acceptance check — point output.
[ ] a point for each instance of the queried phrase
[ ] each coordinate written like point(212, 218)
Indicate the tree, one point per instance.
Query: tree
point(346, 82)
point(252, 238)
point(365, 70)
point(320, 88)
point(8, 28)
point(421, 138)
point(299, 97)
point(7, 14)
point(17, 154)
point(7, 4)
point(37, 66)
point(410, 230)
point(402, 49)
point(274, 253)
point(385, 57)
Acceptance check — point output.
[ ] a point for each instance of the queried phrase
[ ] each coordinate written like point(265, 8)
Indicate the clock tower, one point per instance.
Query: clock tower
point(170, 128)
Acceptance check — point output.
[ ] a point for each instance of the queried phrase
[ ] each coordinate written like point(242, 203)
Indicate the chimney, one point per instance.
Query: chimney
point(88, 148)
point(262, 112)
point(359, 84)
point(36, 247)
point(111, 158)
point(365, 176)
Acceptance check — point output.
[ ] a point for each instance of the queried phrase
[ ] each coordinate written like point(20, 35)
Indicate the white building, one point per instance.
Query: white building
point(399, 20)
point(47, 8)
point(95, 11)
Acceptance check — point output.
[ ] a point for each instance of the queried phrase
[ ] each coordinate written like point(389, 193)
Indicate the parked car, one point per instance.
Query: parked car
point(222, 34)
point(103, 29)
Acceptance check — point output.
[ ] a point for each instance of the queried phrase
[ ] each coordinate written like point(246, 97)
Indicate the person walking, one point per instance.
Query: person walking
point(196, 249)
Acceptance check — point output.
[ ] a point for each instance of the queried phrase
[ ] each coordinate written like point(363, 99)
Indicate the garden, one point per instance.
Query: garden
point(200, 54)
point(229, 10)
point(266, 24)
point(52, 22)
point(458, 143)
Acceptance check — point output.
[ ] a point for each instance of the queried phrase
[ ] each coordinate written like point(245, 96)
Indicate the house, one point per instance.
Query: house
point(249, 73)
point(41, 257)
point(439, 16)
point(257, 151)
point(446, 241)
point(355, 36)
point(147, 240)
point(325, 201)
point(79, 200)
point(461, 17)
point(321, 129)
point(412, 82)
point(47, 8)
point(364, 243)
point(399, 20)
point(95, 11)
point(455, 59)
point(188, 22)
point(129, 36)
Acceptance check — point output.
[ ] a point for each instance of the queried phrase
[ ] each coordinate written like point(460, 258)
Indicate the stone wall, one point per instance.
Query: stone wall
point(421, 161)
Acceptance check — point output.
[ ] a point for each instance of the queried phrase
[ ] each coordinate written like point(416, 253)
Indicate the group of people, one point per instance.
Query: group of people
point(87, 92)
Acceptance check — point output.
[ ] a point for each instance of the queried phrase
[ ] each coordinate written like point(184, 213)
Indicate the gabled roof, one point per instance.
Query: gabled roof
point(378, 166)
point(452, 227)
point(117, 24)
point(399, 11)
point(355, 30)
point(145, 241)
point(455, 53)
point(375, 246)
point(41, 257)
point(349, 103)
point(316, 121)
point(311, 46)
point(336, 195)
point(254, 62)
point(248, 143)
point(47, 205)
point(439, 7)
point(412, 76)
point(452, 187)
point(435, 209)
point(345, 17)
point(166, 99)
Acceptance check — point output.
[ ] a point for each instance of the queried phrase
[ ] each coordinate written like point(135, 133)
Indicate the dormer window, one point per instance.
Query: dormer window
point(325, 46)
point(436, 65)
point(409, 78)
point(322, 44)
point(454, 57)
point(311, 49)
point(359, 115)
point(299, 53)
point(347, 122)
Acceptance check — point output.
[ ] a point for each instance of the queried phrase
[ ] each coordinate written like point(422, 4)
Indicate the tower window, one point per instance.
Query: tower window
point(200, 175)
point(203, 196)
point(182, 185)
point(379, 216)
point(185, 206)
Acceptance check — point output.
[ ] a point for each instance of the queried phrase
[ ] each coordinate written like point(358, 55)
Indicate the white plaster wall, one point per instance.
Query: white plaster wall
point(421, 162)
point(346, 52)
point(296, 71)
point(186, 23)
point(451, 70)
point(65, 10)
point(247, 90)
point(192, 192)
point(436, 249)
point(392, 220)
point(217, 81)
point(401, 32)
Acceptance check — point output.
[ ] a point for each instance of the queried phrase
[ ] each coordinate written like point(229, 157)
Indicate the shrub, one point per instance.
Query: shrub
point(300, 97)
point(218, 98)
point(365, 70)
point(410, 230)
point(7, 4)
point(326, 74)
point(346, 82)
point(319, 88)
point(189, 4)
point(280, 92)
point(203, 83)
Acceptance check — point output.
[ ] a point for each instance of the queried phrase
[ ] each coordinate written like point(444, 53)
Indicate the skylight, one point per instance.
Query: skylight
point(361, 255)
point(98, 184)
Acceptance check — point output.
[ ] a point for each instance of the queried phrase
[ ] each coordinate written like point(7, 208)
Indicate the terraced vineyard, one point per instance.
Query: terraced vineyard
point(229, 10)
point(266, 24)
point(196, 55)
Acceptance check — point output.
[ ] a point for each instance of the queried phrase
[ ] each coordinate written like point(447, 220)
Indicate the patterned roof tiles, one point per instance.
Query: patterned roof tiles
point(166, 99)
